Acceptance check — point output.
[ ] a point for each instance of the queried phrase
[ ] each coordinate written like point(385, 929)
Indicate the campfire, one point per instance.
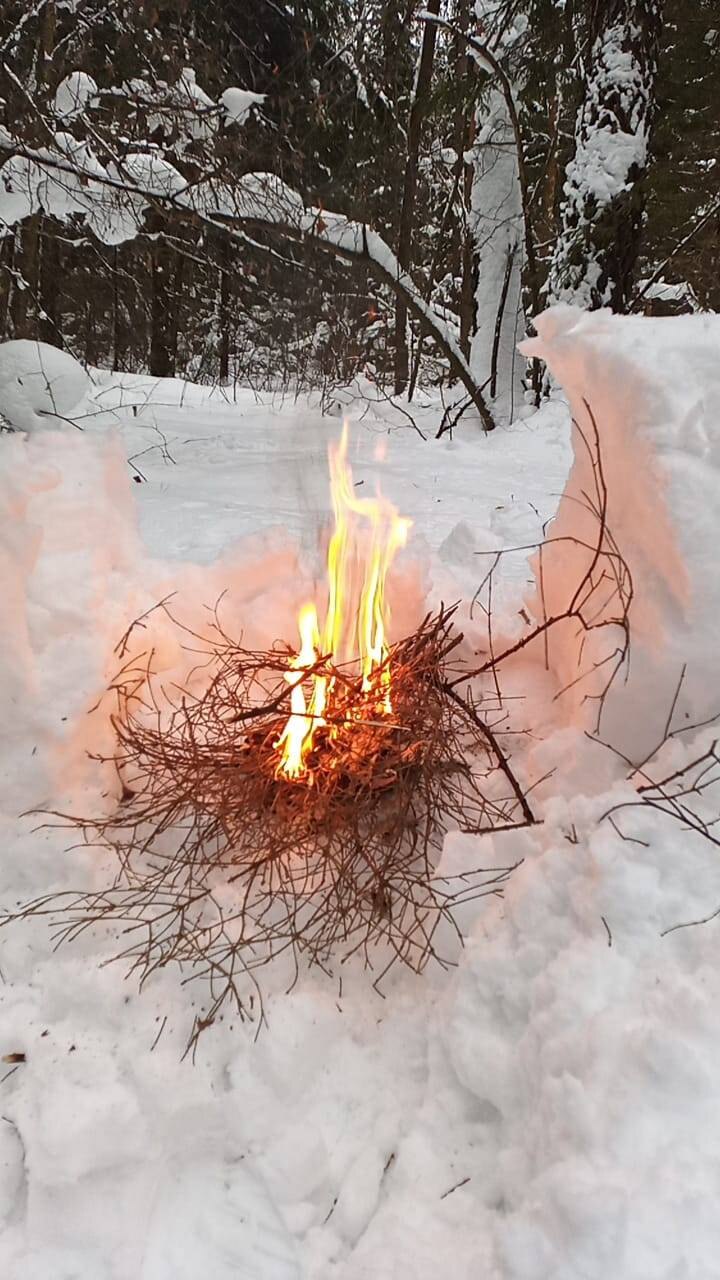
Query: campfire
point(348, 705)
point(297, 805)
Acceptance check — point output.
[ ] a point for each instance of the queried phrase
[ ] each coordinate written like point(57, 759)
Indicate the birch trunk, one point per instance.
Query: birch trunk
point(498, 234)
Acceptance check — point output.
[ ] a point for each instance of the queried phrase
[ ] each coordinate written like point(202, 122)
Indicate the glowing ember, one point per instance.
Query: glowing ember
point(367, 533)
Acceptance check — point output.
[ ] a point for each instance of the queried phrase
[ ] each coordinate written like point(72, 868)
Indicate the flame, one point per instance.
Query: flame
point(298, 730)
point(355, 627)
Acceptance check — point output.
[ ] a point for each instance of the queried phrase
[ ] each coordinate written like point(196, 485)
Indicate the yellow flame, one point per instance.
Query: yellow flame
point(355, 627)
point(296, 738)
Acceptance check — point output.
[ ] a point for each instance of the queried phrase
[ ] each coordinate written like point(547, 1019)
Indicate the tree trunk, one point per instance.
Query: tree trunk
point(498, 231)
point(407, 211)
point(602, 214)
point(7, 255)
point(116, 309)
point(224, 312)
point(25, 284)
point(49, 328)
point(463, 139)
point(176, 311)
point(162, 364)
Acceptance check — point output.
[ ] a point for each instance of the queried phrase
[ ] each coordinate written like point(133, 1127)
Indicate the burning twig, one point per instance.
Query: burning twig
point(223, 862)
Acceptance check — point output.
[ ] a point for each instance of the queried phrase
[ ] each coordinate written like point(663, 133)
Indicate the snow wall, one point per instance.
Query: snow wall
point(652, 387)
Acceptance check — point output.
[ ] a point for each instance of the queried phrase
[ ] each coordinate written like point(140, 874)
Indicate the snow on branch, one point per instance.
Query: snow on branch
point(601, 214)
point(67, 178)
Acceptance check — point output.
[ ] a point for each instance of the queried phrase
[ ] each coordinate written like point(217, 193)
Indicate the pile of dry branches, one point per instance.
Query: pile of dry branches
point(222, 864)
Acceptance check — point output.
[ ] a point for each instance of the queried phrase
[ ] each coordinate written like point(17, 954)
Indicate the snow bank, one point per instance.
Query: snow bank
point(653, 388)
point(588, 1043)
point(69, 543)
point(547, 1109)
point(40, 386)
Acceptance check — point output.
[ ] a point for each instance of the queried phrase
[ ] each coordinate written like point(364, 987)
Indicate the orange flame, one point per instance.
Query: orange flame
point(355, 628)
point(298, 730)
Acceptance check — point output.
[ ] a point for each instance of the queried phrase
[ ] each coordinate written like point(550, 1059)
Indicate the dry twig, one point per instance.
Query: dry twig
point(222, 865)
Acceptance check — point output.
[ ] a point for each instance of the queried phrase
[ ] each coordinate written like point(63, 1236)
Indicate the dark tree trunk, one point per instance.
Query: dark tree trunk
point(7, 255)
point(178, 283)
point(224, 311)
point(407, 211)
point(162, 364)
point(49, 328)
point(25, 285)
point(116, 309)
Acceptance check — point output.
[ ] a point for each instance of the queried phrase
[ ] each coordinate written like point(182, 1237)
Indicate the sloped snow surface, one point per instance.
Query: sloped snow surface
point(546, 1108)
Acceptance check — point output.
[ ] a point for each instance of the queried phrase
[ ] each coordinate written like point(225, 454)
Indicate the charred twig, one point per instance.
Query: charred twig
point(690, 924)
point(462, 1183)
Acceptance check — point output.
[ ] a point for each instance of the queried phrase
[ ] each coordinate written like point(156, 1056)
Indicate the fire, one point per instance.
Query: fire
point(366, 536)
point(296, 737)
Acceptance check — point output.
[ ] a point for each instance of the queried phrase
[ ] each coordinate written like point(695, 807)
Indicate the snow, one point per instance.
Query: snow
point(188, 91)
point(74, 94)
point(603, 166)
point(238, 104)
point(39, 386)
point(548, 1107)
point(680, 291)
point(653, 388)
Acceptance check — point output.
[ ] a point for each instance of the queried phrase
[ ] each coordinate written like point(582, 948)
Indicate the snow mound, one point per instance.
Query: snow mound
point(40, 386)
point(652, 390)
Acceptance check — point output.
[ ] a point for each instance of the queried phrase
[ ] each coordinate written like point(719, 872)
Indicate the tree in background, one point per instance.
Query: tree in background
point(602, 211)
point(681, 242)
point(492, 145)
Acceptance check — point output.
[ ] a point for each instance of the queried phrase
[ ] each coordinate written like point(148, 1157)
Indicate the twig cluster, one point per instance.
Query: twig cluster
point(222, 863)
point(683, 794)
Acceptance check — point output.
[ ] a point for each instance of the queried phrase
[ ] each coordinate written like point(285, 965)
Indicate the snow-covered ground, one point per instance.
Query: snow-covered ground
point(548, 1109)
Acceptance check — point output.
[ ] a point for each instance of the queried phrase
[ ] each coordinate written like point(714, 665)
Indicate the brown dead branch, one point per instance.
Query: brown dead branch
point(690, 795)
point(221, 865)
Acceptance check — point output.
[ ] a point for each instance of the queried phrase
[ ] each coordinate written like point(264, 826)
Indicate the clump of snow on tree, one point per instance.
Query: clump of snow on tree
point(238, 104)
point(74, 94)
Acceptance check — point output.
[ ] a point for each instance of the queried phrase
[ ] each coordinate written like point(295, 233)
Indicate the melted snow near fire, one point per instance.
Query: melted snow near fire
point(546, 1107)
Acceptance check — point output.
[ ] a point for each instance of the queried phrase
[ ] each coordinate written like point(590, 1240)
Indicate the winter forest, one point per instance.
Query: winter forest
point(359, 676)
point(467, 144)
